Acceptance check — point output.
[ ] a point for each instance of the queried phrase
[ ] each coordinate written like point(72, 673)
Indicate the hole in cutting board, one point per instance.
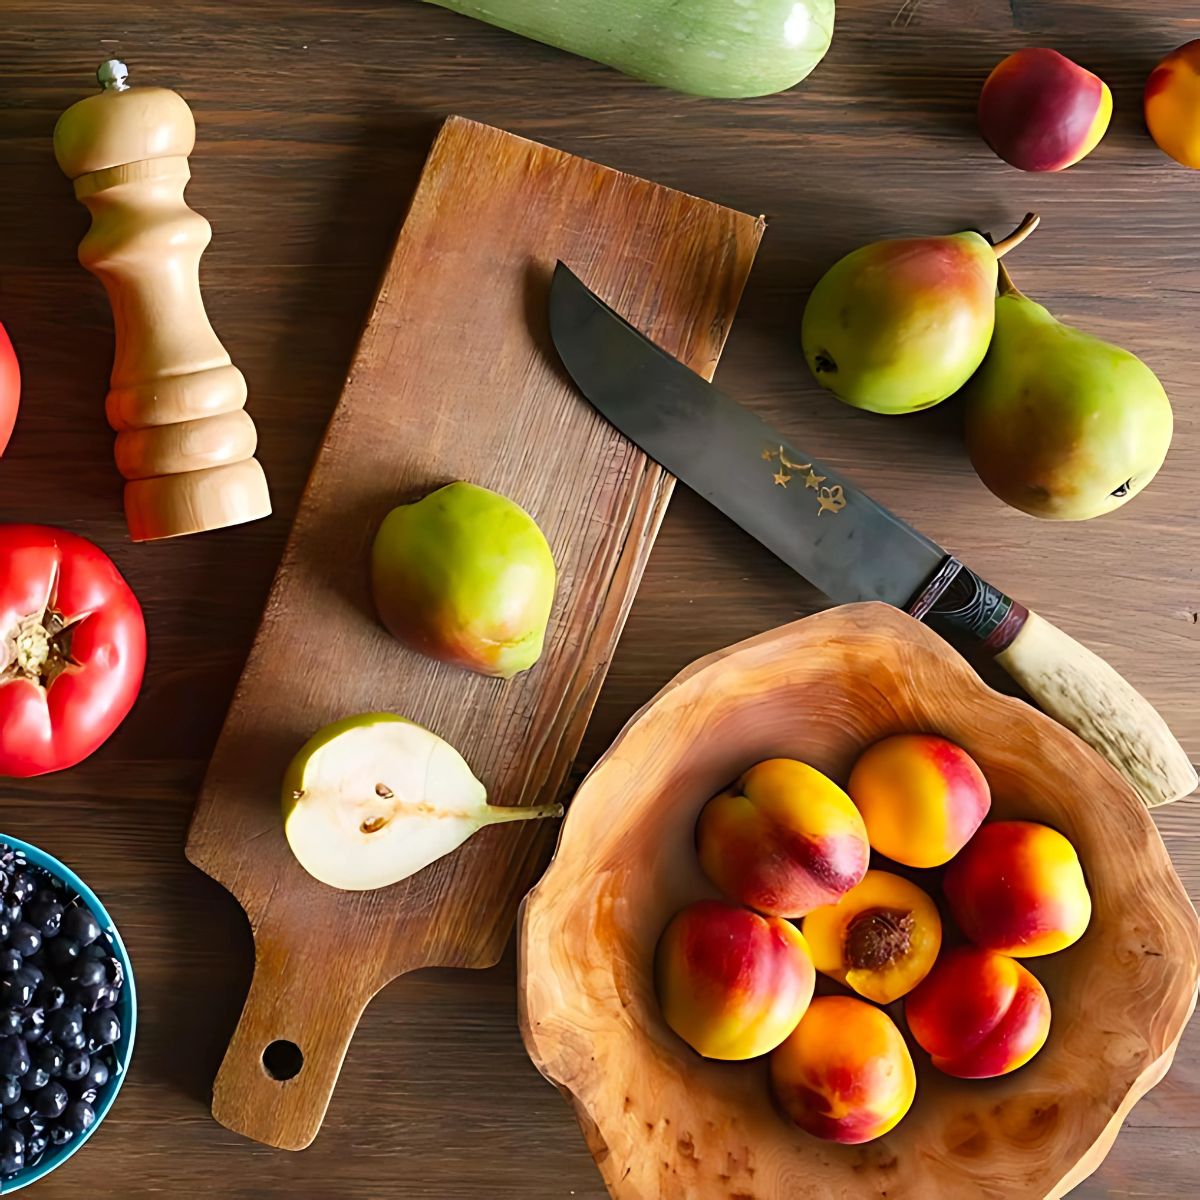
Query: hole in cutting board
point(282, 1060)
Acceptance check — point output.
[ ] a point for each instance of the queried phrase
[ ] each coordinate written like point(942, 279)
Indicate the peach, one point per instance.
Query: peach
point(732, 984)
point(921, 797)
point(881, 938)
point(1018, 888)
point(1172, 104)
point(783, 839)
point(1041, 112)
point(845, 1074)
point(979, 1014)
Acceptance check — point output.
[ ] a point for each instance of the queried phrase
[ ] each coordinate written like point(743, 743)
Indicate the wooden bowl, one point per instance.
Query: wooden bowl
point(663, 1122)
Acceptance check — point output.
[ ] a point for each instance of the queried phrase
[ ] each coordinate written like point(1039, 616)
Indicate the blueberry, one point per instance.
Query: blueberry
point(16, 989)
point(5, 926)
point(10, 1091)
point(35, 1078)
point(97, 951)
point(35, 1026)
point(74, 1040)
point(79, 1116)
point(21, 1110)
point(35, 1147)
point(14, 1056)
point(63, 951)
point(79, 925)
point(46, 914)
point(51, 1100)
point(25, 938)
point(77, 1065)
point(31, 1125)
point(10, 960)
point(103, 1028)
point(60, 1135)
point(97, 1075)
point(11, 1021)
point(23, 887)
point(88, 1094)
point(95, 996)
point(50, 996)
point(64, 1025)
point(50, 1058)
point(87, 973)
point(12, 913)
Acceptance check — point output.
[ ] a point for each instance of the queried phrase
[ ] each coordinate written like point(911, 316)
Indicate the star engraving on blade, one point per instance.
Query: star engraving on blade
point(830, 499)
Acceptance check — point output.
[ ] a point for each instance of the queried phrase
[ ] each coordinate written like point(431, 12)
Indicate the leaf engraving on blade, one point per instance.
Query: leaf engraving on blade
point(373, 799)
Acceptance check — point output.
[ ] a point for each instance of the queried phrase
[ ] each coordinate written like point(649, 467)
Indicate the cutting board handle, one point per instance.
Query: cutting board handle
point(283, 1061)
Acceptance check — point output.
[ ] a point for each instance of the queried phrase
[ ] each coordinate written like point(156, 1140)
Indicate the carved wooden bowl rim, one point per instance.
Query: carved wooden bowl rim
point(661, 1121)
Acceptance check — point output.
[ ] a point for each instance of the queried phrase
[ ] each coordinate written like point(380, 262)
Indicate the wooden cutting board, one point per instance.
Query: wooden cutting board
point(454, 378)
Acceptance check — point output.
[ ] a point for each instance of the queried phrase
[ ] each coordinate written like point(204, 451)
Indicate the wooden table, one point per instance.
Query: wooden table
point(314, 119)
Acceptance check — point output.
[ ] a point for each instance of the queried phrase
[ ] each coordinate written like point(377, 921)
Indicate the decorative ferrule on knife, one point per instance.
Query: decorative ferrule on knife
point(968, 603)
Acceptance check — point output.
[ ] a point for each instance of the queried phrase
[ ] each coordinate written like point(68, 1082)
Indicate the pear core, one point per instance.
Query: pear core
point(373, 799)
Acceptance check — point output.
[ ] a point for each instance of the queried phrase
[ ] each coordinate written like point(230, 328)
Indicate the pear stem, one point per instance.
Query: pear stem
point(1018, 235)
point(1007, 287)
point(497, 813)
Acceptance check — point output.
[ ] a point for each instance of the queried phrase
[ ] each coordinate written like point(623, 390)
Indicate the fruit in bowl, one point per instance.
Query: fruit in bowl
point(822, 690)
point(783, 840)
point(67, 1013)
point(845, 1074)
point(880, 939)
point(979, 1014)
point(922, 798)
point(1018, 888)
point(731, 983)
point(1040, 111)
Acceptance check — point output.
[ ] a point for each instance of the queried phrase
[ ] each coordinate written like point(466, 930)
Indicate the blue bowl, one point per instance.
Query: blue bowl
point(126, 1011)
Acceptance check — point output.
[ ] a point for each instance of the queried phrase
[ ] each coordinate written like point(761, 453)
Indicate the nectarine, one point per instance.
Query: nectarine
point(1018, 888)
point(783, 839)
point(845, 1074)
point(979, 1014)
point(732, 984)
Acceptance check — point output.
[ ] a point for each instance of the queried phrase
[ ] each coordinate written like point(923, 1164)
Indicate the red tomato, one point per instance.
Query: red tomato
point(72, 649)
point(10, 388)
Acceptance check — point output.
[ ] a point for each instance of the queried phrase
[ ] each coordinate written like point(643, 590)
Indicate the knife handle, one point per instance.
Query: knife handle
point(1073, 685)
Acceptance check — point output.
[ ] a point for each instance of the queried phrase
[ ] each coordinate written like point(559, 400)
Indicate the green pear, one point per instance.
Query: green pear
point(902, 324)
point(372, 799)
point(465, 576)
point(1060, 424)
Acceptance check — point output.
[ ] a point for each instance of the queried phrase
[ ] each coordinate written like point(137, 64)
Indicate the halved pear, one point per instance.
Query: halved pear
point(372, 799)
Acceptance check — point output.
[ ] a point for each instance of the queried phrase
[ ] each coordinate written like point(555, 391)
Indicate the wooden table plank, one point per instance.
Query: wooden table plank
point(314, 120)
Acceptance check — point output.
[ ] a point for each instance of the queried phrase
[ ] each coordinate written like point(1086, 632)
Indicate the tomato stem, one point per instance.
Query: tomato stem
point(40, 649)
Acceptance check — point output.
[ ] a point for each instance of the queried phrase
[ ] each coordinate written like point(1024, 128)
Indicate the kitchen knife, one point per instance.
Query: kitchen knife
point(841, 540)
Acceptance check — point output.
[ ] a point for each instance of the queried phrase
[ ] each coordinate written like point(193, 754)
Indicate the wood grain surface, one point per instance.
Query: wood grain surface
point(661, 1121)
point(454, 378)
point(314, 120)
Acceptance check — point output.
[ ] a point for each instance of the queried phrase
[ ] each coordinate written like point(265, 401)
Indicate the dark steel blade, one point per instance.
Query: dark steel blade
point(819, 523)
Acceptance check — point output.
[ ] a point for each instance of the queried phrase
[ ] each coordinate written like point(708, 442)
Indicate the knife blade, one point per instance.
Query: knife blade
point(842, 541)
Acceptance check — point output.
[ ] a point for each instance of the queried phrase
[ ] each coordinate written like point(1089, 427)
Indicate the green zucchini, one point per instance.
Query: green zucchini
point(720, 48)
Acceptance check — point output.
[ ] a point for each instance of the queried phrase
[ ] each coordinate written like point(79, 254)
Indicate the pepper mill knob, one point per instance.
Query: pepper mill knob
point(185, 443)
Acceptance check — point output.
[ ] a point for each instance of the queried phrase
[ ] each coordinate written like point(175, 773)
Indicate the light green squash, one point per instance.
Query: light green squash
point(719, 48)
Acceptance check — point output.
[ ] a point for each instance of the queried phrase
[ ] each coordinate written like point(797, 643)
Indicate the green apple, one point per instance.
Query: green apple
point(374, 798)
point(466, 576)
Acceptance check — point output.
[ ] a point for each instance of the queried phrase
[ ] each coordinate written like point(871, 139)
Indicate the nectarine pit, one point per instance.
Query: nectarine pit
point(878, 937)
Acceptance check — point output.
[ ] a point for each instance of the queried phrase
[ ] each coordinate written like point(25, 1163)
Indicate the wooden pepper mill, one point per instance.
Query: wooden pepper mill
point(185, 444)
